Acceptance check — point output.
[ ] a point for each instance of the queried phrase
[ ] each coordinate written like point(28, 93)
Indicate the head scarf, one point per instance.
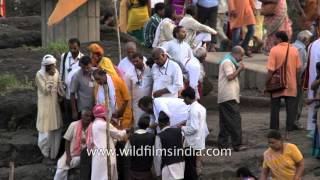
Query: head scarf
point(99, 111)
point(47, 60)
point(96, 49)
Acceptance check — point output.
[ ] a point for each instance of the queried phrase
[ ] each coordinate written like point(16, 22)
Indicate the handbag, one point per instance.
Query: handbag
point(278, 80)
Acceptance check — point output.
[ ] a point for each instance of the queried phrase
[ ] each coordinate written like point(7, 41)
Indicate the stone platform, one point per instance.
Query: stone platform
point(252, 78)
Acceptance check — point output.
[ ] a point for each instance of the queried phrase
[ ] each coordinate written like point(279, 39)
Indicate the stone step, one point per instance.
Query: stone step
point(20, 147)
point(253, 77)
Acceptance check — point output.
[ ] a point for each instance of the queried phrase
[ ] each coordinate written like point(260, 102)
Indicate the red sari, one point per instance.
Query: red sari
point(2, 8)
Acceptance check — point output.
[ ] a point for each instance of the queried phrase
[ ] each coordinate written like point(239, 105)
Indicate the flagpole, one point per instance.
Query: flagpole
point(117, 27)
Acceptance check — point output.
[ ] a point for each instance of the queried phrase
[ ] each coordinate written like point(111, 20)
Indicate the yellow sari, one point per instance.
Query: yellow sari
point(282, 166)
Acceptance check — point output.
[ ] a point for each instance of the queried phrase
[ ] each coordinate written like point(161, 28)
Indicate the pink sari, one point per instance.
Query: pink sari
point(278, 22)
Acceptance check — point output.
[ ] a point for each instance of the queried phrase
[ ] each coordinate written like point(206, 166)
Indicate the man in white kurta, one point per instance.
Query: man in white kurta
point(314, 58)
point(49, 120)
point(126, 64)
point(195, 131)
point(76, 142)
point(175, 108)
point(197, 33)
point(178, 49)
point(166, 74)
point(99, 170)
point(140, 84)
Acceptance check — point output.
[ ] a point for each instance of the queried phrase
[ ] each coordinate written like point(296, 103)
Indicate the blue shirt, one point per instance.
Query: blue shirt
point(208, 3)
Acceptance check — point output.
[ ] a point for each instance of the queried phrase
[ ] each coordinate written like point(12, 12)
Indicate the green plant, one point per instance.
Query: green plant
point(55, 48)
point(9, 82)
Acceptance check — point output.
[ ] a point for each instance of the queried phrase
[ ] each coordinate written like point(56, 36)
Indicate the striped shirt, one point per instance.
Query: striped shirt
point(150, 28)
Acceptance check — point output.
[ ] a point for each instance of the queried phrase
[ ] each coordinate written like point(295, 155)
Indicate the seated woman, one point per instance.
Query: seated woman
point(283, 160)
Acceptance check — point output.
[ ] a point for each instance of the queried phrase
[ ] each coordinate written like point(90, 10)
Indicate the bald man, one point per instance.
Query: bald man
point(126, 65)
point(229, 99)
point(166, 74)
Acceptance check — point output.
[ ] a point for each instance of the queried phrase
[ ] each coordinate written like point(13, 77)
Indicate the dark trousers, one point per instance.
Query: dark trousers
point(190, 172)
point(136, 175)
point(300, 102)
point(290, 110)
point(85, 165)
point(123, 162)
point(67, 112)
point(208, 16)
point(230, 124)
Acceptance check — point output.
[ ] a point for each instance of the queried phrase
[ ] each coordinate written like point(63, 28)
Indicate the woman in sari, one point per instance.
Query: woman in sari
point(283, 160)
point(278, 22)
point(138, 15)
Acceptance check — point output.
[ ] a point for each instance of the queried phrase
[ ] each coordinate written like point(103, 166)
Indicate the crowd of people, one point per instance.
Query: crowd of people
point(153, 101)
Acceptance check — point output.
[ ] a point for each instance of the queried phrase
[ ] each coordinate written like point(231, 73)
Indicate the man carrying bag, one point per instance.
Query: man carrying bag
point(283, 66)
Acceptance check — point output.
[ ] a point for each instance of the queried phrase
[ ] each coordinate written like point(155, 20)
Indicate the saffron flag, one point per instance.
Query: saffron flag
point(2, 8)
point(63, 9)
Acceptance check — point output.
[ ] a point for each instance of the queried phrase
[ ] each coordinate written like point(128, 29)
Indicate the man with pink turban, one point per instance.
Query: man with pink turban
point(97, 140)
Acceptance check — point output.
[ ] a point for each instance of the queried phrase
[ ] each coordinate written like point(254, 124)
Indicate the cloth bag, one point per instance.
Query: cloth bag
point(278, 80)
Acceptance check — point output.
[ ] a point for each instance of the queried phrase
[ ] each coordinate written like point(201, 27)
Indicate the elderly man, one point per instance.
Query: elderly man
point(166, 74)
point(126, 64)
point(75, 142)
point(302, 42)
point(49, 120)
point(229, 99)
point(68, 67)
point(197, 33)
point(201, 54)
point(140, 80)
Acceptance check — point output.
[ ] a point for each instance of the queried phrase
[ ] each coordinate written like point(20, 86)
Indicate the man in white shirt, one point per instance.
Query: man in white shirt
point(126, 65)
point(198, 34)
point(140, 84)
point(181, 53)
point(229, 99)
point(102, 78)
point(175, 108)
point(169, 140)
point(75, 142)
point(195, 132)
point(166, 74)
point(69, 64)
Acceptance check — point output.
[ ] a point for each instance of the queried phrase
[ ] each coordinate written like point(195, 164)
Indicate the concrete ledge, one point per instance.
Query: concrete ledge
point(253, 77)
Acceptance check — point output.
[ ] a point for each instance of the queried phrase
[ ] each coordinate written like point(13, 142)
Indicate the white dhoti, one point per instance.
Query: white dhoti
point(49, 143)
point(201, 37)
point(99, 168)
point(62, 168)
